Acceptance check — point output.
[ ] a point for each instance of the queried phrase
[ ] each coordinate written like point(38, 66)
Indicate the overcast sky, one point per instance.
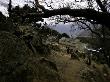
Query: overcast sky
point(4, 4)
point(55, 3)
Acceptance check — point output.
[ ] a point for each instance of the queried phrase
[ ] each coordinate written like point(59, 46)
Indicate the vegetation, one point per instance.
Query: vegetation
point(25, 55)
point(21, 47)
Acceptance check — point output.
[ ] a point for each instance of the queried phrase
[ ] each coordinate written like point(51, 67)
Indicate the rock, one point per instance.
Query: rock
point(49, 63)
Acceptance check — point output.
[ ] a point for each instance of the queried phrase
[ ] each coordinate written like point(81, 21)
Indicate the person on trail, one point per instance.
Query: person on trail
point(68, 50)
point(28, 40)
point(89, 58)
point(71, 52)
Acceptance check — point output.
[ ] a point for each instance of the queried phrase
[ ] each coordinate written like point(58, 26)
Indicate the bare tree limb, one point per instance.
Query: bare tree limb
point(86, 26)
point(103, 8)
point(100, 17)
point(89, 28)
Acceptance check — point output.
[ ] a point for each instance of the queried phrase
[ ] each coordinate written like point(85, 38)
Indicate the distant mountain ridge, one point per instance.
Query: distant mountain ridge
point(85, 33)
point(74, 32)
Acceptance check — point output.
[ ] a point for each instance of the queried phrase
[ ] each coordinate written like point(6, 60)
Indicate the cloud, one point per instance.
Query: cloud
point(4, 10)
point(4, 4)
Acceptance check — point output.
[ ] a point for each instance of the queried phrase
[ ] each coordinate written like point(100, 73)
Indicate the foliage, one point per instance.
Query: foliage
point(42, 49)
point(65, 35)
point(42, 71)
point(13, 54)
point(45, 30)
point(18, 64)
point(19, 15)
point(99, 42)
point(91, 75)
point(6, 24)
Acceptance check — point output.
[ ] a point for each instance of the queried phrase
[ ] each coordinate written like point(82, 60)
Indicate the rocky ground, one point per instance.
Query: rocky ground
point(78, 71)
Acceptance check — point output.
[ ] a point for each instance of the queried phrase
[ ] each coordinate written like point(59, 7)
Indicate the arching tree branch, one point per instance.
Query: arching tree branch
point(100, 17)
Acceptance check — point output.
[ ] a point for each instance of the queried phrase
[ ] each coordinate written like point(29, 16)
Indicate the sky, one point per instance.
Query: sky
point(4, 5)
point(54, 4)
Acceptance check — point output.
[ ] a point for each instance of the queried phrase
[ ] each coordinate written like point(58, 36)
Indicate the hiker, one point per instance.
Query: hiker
point(68, 50)
point(89, 58)
point(28, 41)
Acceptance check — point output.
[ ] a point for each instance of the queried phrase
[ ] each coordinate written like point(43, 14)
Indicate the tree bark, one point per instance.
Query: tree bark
point(9, 7)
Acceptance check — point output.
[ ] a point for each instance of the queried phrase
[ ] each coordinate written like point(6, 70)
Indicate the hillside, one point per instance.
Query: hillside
point(32, 60)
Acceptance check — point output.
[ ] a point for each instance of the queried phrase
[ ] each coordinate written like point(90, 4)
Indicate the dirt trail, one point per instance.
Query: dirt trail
point(69, 68)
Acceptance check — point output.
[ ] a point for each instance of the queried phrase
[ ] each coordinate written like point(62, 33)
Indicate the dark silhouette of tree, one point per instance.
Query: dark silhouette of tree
point(10, 7)
point(102, 17)
point(99, 16)
point(18, 14)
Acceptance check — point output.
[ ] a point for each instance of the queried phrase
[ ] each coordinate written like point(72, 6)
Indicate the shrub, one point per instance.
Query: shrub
point(13, 55)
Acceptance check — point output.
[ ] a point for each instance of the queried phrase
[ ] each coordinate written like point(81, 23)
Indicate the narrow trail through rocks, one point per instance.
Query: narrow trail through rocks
point(69, 68)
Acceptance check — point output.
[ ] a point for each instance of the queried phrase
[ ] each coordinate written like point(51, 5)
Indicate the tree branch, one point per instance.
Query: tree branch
point(100, 17)
point(101, 6)
point(86, 26)
point(39, 6)
point(89, 28)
